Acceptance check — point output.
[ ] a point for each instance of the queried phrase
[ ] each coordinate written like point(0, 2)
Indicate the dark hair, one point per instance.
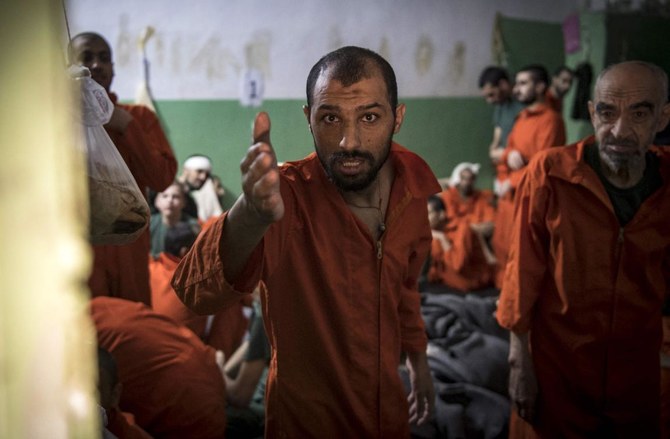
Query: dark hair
point(179, 236)
point(562, 69)
point(351, 64)
point(88, 36)
point(436, 202)
point(538, 73)
point(493, 75)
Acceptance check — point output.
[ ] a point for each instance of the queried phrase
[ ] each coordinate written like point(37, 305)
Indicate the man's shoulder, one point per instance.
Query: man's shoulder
point(558, 160)
point(417, 174)
point(138, 111)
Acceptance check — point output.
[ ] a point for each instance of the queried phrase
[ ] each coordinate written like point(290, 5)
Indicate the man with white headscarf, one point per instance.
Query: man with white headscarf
point(202, 202)
point(470, 216)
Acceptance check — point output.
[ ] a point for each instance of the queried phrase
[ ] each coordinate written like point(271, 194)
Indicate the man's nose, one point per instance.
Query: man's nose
point(350, 136)
point(95, 62)
point(621, 127)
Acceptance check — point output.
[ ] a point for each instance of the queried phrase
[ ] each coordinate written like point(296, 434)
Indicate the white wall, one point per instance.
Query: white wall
point(201, 47)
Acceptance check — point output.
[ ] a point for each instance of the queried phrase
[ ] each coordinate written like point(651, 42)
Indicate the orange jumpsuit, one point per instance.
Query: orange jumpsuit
point(462, 267)
point(553, 102)
point(590, 292)
point(228, 326)
point(171, 382)
point(533, 131)
point(340, 306)
point(477, 208)
point(123, 426)
point(122, 270)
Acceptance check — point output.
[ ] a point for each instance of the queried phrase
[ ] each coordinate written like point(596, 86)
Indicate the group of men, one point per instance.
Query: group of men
point(338, 240)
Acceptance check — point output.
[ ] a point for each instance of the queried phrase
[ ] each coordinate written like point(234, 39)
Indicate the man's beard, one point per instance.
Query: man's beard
point(621, 164)
point(359, 182)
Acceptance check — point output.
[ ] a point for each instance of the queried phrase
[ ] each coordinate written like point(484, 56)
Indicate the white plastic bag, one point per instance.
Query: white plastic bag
point(119, 211)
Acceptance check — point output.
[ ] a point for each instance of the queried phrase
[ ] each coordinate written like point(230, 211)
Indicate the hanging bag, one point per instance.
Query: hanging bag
point(119, 212)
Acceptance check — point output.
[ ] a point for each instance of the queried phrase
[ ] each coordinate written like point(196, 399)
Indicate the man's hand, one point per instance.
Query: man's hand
point(523, 388)
point(119, 120)
point(260, 177)
point(442, 239)
point(515, 160)
point(495, 154)
point(500, 188)
point(422, 395)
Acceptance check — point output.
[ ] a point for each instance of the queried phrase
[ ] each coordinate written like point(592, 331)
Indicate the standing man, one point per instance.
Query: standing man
point(587, 276)
point(496, 88)
point(537, 127)
point(339, 239)
point(122, 271)
point(561, 82)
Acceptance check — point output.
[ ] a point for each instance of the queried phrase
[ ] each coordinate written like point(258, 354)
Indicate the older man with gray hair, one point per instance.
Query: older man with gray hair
point(587, 276)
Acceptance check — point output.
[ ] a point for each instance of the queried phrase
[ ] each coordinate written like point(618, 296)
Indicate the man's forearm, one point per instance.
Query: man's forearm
point(241, 234)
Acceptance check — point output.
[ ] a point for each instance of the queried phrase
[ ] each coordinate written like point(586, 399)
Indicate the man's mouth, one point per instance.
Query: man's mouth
point(350, 165)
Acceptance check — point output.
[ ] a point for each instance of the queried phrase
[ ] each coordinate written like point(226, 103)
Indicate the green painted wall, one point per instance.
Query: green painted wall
point(444, 132)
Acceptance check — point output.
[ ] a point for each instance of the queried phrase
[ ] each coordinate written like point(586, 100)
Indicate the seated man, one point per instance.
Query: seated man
point(172, 382)
point(223, 330)
point(460, 259)
point(466, 203)
point(202, 200)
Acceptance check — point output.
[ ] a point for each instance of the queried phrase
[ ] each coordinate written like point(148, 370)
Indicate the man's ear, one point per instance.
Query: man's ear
point(306, 111)
point(592, 111)
point(664, 117)
point(399, 117)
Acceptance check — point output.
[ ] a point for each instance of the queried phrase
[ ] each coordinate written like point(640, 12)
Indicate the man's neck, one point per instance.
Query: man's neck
point(624, 178)
point(380, 188)
point(535, 105)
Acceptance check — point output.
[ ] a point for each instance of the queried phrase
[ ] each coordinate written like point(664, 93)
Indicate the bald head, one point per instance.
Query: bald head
point(649, 74)
point(91, 50)
point(629, 107)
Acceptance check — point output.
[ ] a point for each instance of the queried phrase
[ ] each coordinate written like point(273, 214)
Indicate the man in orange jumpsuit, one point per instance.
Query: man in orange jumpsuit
point(339, 239)
point(536, 128)
point(224, 330)
point(122, 270)
point(471, 214)
point(457, 254)
point(585, 284)
point(496, 88)
point(173, 384)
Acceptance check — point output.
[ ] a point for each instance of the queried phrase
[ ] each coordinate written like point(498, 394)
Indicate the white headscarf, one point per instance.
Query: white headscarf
point(198, 162)
point(455, 179)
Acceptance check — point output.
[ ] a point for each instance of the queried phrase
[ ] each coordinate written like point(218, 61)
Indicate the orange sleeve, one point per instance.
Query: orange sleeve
point(461, 246)
point(528, 252)
point(412, 329)
point(149, 148)
point(485, 209)
point(199, 280)
point(551, 132)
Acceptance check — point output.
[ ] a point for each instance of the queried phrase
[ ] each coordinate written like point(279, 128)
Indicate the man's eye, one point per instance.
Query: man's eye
point(330, 118)
point(606, 115)
point(639, 115)
point(370, 117)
